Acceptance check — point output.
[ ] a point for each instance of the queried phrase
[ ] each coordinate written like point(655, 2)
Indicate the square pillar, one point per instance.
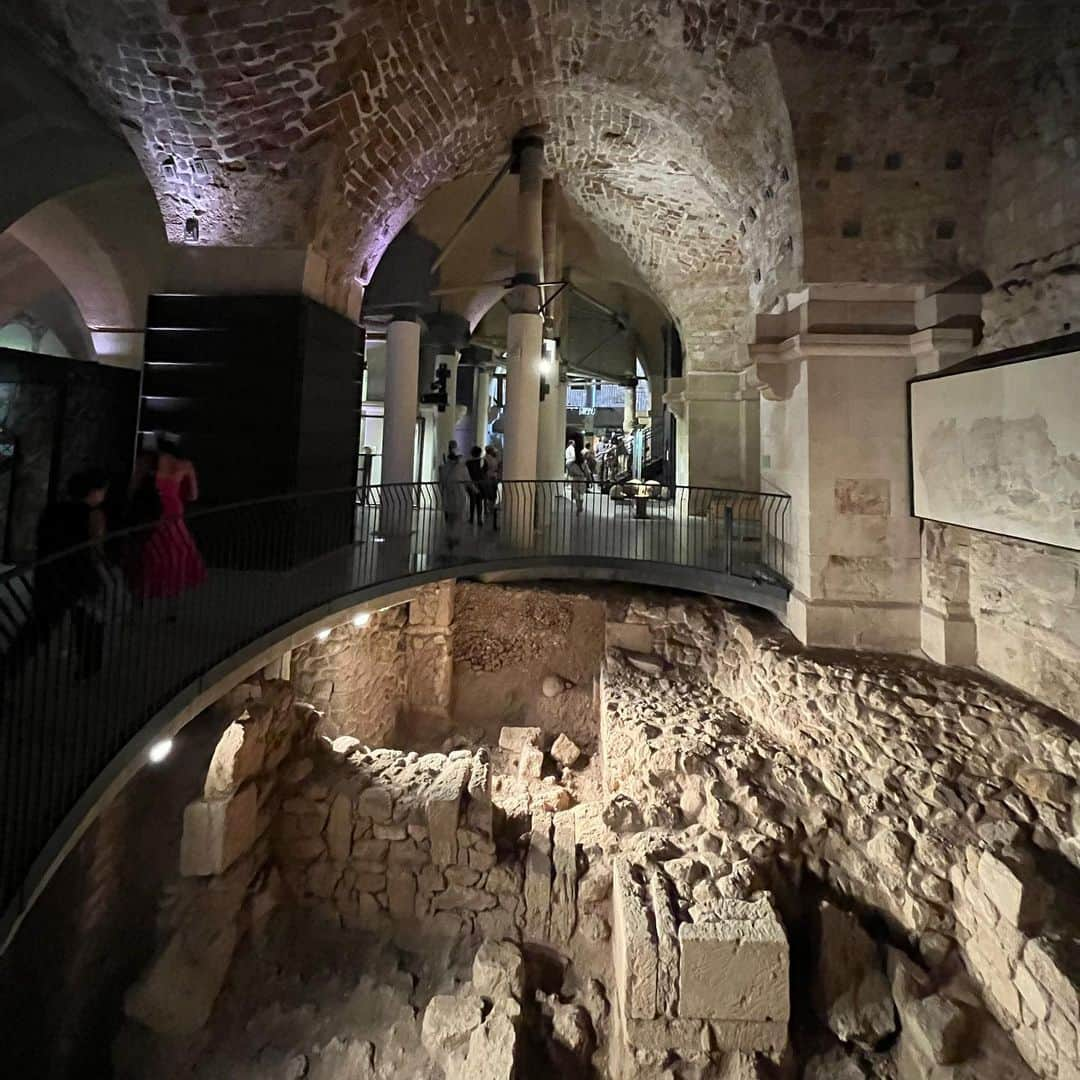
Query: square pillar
point(717, 438)
point(834, 435)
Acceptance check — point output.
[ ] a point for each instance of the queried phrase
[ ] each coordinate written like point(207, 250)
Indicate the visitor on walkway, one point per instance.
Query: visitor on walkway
point(571, 453)
point(591, 467)
point(579, 481)
point(72, 584)
point(475, 466)
point(492, 479)
point(453, 486)
point(168, 563)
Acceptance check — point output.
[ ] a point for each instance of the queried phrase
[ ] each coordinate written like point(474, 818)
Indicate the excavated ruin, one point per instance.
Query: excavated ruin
point(520, 832)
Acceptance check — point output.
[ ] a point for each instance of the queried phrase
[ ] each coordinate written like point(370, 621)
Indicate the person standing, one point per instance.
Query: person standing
point(475, 466)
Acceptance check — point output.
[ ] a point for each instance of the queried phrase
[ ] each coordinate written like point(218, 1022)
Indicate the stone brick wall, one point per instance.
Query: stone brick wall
point(909, 792)
point(371, 837)
point(1025, 597)
point(365, 680)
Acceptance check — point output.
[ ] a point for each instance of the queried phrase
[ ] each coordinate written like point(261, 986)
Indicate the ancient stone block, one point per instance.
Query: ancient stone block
point(667, 945)
point(564, 887)
point(531, 762)
point(538, 878)
point(565, 751)
point(633, 637)
point(498, 970)
point(492, 1049)
point(634, 947)
point(1013, 889)
point(463, 898)
point(734, 969)
point(515, 739)
point(443, 799)
point(339, 828)
point(401, 892)
point(938, 1026)
point(449, 1019)
point(238, 756)
point(479, 809)
point(217, 832)
point(376, 803)
point(853, 992)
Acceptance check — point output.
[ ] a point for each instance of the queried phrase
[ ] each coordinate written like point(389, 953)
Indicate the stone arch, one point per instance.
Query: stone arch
point(646, 177)
point(104, 242)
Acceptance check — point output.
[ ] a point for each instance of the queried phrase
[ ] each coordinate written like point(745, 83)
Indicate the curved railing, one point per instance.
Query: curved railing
point(93, 644)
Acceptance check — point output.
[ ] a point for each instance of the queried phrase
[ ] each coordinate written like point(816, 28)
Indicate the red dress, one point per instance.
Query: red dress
point(170, 562)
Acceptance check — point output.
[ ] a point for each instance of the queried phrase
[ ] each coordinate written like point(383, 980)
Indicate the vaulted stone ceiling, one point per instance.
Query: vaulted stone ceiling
point(731, 149)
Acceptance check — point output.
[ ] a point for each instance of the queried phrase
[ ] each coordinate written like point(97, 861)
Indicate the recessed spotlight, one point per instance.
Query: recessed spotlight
point(160, 751)
point(323, 635)
point(361, 618)
point(379, 539)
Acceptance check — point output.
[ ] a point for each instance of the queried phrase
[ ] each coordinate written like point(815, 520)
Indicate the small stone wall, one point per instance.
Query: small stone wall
point(370, 837)
point(916, 791)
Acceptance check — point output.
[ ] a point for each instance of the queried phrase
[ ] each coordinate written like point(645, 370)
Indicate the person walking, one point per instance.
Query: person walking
point(72, 584)
point(475, 466)
point(453, 486)
point(492, 479)
point(579, 481)
point(169, 562)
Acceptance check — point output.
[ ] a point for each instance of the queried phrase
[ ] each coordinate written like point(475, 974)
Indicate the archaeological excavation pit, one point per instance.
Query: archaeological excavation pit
point(502, 831)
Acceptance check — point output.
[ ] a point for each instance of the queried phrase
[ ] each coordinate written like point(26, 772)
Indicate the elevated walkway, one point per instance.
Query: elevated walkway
point(277, 569)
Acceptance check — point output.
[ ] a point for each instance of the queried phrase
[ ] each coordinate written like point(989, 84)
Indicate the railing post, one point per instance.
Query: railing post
point(729, 537)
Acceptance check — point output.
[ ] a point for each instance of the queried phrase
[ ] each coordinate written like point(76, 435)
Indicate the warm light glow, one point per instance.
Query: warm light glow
point(160, 751)
point(323, 635)
point(361, 618)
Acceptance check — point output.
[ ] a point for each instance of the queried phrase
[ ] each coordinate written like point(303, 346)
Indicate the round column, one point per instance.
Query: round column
point(629, 420)
point(399, 422)
point(524, 343)
point(481, 404)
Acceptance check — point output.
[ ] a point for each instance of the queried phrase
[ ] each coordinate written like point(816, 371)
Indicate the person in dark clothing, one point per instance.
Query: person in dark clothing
point(475, 465)
point(72, 583)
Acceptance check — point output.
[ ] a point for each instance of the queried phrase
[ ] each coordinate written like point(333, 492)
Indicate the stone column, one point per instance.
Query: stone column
point(834, 436)
point(629, 420)
point(446, 421)
point(551, 452)
point(481, 398)
point(399, 420)
point(524, 341)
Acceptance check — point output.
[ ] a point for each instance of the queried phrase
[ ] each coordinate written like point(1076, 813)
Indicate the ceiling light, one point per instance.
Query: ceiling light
point(160, 751)
point(323, 634)
point(361, 618)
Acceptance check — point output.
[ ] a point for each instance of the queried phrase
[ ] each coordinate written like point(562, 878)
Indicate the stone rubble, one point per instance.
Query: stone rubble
point(741, 776)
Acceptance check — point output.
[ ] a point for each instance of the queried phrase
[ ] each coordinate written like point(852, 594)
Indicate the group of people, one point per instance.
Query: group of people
point(77, 567)
point(474, 481)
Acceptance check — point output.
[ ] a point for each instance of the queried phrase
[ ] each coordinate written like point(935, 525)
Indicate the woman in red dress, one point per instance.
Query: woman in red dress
point(169, 562)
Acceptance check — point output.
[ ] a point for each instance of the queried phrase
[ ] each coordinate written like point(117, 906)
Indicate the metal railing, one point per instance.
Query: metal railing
point(97, 640)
